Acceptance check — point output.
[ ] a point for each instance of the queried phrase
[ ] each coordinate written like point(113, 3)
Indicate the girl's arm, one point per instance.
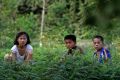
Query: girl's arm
point(29, 52)
point(28, 57)
point(13, 56)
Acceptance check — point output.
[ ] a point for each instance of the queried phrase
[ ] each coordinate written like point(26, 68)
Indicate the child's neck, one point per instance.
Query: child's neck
point(99, 49)
point(21, 47)
point(74, 47)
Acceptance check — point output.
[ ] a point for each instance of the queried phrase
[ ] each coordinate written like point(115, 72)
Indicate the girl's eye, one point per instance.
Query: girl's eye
point(98, 42)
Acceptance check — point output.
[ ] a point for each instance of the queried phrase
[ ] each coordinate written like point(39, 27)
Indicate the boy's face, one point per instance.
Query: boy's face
point(98, 44)
point(69, 43)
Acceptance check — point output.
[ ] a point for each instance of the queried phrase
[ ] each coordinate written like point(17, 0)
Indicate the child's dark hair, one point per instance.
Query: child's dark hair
point(18, 35)
point(71, 37)
point(99, 37)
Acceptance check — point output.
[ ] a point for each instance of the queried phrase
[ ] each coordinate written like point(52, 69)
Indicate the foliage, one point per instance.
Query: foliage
point(84, 18)
point(47, 66)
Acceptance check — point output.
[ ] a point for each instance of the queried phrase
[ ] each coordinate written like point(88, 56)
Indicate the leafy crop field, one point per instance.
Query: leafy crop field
point(46, 65)
point(83, 18)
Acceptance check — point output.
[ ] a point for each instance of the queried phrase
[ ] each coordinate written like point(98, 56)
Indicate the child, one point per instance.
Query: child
point(22, 50)
point(73, 49)
point(102, 54)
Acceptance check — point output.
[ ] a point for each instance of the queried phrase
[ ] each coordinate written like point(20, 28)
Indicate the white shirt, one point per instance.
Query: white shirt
point(15, 51)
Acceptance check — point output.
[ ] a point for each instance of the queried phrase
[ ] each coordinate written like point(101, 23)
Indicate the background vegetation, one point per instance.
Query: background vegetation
point(84, 18)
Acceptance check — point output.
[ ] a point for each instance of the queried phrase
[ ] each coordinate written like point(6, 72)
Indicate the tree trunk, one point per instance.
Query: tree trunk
point(42, 23)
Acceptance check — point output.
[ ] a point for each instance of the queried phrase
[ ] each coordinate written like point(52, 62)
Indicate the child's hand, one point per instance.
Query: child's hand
point(8, 57)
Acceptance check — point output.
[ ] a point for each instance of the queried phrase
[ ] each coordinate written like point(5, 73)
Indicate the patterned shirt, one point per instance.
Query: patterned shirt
point(103, 55)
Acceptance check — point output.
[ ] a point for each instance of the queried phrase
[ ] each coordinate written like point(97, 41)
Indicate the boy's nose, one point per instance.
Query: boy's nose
point(96, 45)
point(68, 45)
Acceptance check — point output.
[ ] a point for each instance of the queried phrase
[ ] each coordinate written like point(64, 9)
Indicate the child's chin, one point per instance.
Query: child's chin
point(69, 47)
point(98, 49)
point(22, 45)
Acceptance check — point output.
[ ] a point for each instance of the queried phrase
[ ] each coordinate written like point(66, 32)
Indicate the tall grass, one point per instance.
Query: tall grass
point(47, 66)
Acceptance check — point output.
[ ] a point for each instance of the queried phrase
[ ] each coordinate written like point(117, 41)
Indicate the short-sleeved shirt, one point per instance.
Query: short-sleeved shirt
point(20, 58)
point(104, 55)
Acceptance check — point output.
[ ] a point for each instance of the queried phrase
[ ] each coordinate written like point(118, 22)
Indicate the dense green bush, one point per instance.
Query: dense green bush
point(84, 18)
point(48, 66)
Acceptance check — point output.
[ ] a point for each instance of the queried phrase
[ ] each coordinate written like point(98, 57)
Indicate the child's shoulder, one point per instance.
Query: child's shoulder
point(29, 46)
point(14, 47)
point(107, 52)
point(106, 49)
point(79, 48)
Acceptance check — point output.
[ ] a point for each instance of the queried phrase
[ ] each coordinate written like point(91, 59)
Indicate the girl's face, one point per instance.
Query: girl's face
point(98, 44)
point(69, 43)
point(22, 40)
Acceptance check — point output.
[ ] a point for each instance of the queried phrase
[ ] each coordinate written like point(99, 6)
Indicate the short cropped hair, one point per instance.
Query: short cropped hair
point(99, 37)
point(71, 37)
point(18, 35)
